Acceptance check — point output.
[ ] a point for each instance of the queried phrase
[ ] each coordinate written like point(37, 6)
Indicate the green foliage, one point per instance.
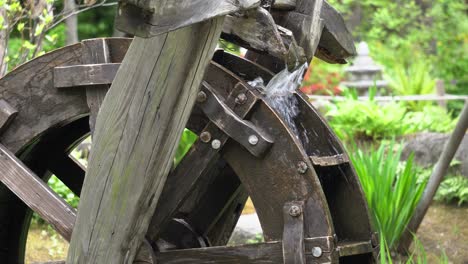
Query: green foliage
point(414, 80)
point(98, 22)
point(186, 141)
point(229, 47)
point(453, 188)
point(257, 239)
point(61, 189)
point(392, 191)
point(352, 118)
point(430, 119)
point(419, 256)
point(431, 32)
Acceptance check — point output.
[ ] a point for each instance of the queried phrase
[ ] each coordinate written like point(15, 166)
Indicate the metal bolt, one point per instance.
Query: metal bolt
point(241, 99)
point(302, 167)
point(316, 252)
point(205, 137)
point(201, 97)
point(253, 140)
point(295, 211)
point(216, 144)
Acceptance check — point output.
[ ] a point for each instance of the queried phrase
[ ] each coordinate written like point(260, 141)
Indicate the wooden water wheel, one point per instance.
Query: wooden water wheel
point(304, 189)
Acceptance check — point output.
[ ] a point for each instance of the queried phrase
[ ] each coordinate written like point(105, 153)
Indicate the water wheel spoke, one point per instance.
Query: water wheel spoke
point(203, 154)
point(69, 171)
point(213, 209)
point(36, 194)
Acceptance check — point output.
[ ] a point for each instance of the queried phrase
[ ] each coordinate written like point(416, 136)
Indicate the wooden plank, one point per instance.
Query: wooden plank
point(36, 194)
point(95, 51)
point(257, 30)
point(145, 18)
point(350, 248)
point(265, 253)
point(7, 114)
point(136, 135)
point(284, 4)
point(293, 233)
point(85, 75)
point(335, 41)
point(329, 160)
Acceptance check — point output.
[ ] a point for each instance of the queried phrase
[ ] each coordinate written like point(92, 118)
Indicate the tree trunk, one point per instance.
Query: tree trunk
point(136, 135)
point(3, 42)
point(71, 22)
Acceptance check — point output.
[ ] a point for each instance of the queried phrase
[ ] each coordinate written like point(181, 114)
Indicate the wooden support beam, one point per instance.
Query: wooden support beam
point(95, 51)
point(36, 194)
point(146, 18)
point(7, 114)
point(136, 135)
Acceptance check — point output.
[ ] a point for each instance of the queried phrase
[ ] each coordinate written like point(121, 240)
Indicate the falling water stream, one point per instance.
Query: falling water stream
point(279, 93)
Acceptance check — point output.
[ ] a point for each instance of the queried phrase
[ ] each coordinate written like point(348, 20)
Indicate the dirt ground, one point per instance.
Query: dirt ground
point(444, 229)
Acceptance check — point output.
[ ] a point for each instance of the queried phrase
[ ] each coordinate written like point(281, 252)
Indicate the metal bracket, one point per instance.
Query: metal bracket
point(244, 132)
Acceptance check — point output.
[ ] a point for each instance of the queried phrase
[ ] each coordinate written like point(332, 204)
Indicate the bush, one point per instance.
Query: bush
point(413, 80)
point(352, 118)
point(392, 190)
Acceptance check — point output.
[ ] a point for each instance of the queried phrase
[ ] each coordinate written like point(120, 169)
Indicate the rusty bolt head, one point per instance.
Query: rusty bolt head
point(216, 144)
point(295, 211)
point(302, 167)
point(201, 97)
point(316, 252)
point(205, 137)
point(253, 140)
point(241, 99)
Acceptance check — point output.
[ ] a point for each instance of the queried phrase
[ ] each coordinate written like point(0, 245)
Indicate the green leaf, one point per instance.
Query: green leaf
point(20, 26)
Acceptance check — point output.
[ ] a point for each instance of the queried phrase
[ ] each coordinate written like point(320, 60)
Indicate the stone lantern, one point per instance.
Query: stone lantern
point(364, 73)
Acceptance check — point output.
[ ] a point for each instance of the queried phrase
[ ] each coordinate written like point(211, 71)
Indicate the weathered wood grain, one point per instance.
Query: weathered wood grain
point(330, 160)
point(284, 4)
point(35, 193)
point(7, 114)
point(138, 128)
point(145, 18)
point(257, 29)
point(293, 233)
point(85, 75)
point(30, 90)
point(335, 42)
point(95, 51)
point(266, 253)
